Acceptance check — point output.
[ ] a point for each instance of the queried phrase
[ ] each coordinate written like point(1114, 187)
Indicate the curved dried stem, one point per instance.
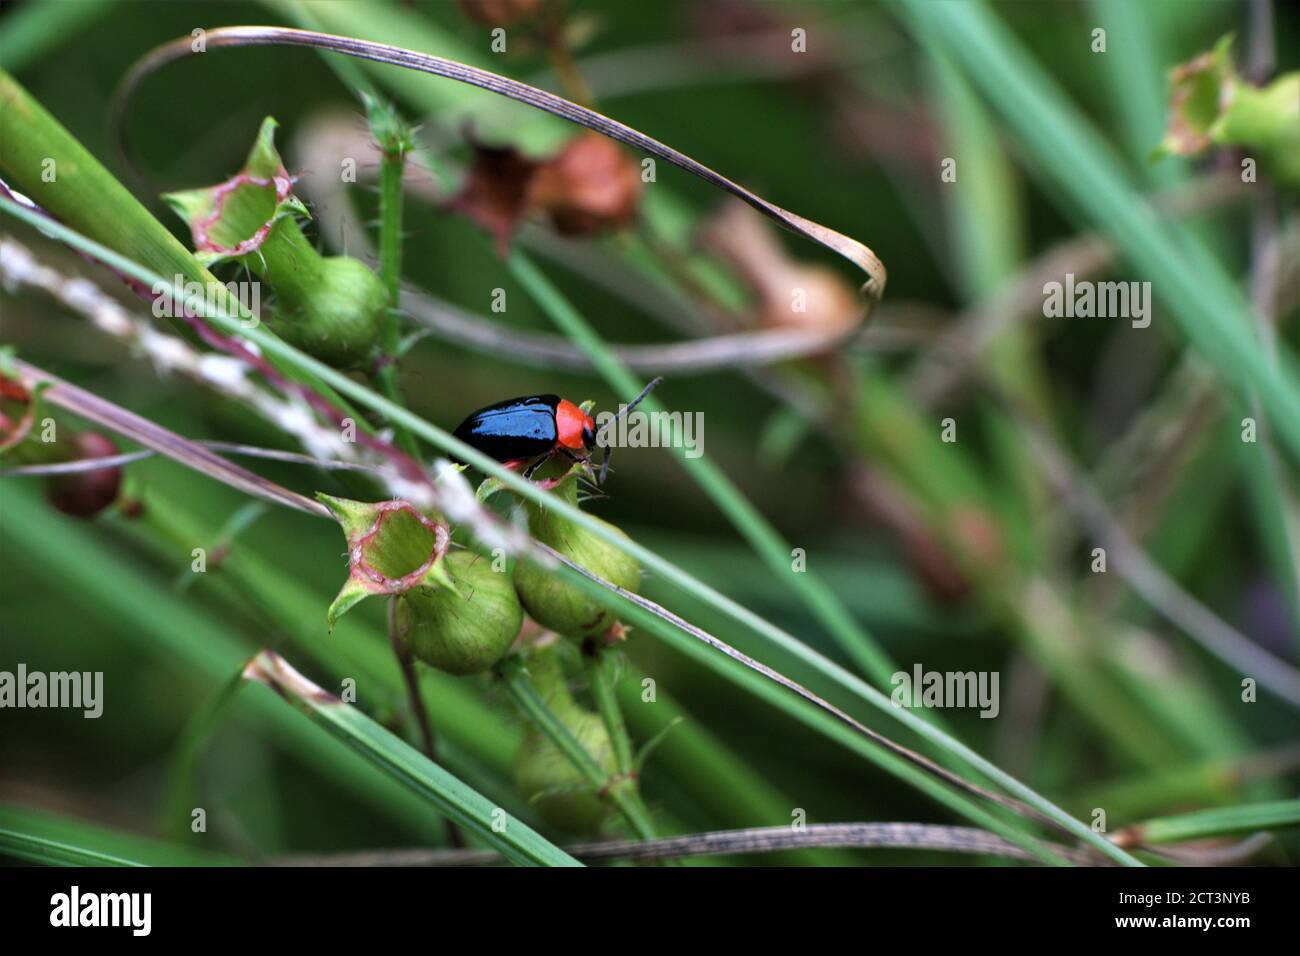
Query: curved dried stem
point(852, 250)
point(233, 448)
point(749, 349)
point(896, 836)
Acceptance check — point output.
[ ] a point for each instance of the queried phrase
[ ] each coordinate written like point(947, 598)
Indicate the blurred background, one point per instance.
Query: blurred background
point(974, 554)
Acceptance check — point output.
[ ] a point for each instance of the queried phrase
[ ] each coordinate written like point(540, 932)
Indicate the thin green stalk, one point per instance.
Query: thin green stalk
point(391, 166)
point(619, 791)
point(1214, 822)
point(986, 205)
point(599, 664)
point(390, 214)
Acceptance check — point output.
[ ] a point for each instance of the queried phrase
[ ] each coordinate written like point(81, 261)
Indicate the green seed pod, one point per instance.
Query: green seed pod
point(332, 307)
point(544, 775)
point(464, 628)
point(554, 603)
point(1211, 104)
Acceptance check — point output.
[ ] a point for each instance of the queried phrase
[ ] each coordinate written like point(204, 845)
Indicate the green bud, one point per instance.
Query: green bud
point(554, 603)
point(332, 307)
point(392, 134)
point(544, 775)
point(466, 626)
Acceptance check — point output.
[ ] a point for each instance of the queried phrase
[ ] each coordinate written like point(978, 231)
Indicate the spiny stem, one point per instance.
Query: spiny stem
point(393, 137)
point(391, 165)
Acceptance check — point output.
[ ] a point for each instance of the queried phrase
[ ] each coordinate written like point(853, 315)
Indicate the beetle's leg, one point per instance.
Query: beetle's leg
point(580, 460)
point(528, 473)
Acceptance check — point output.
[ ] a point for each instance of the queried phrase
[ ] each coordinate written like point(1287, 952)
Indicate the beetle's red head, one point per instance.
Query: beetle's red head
point(574, 428)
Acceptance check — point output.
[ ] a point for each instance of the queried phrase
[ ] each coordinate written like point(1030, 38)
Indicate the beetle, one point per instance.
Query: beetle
point(537, 427)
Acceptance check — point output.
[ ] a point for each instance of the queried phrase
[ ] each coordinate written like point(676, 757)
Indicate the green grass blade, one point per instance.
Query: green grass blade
point(518, 842)
point(1214, 822)
point(1134, 69)
point(39, 837)
point(34, 28)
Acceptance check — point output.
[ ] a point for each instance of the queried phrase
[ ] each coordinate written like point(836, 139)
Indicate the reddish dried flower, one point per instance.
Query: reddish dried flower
point(591, 186)
point(495, 194)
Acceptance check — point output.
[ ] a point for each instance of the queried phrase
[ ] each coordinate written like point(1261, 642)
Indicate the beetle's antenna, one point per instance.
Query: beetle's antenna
point(609, 451)
point(630, 405)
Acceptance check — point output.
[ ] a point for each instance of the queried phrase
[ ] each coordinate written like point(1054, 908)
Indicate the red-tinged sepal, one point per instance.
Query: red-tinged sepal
point(393, 548)
point(235, 218)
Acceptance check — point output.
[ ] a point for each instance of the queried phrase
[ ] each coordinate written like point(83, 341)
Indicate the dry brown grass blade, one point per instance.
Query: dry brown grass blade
point(733, 350)
point(907, 836)
point(130, 425)
point(324, 141)
point(852, 250)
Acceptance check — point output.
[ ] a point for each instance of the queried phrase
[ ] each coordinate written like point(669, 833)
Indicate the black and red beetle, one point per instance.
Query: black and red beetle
point(534, 428)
